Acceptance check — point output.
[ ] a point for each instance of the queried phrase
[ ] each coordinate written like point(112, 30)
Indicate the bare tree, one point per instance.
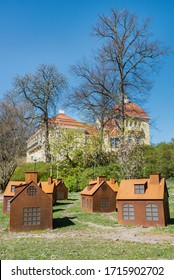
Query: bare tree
point(41, 90)
point(14, 133)
point(129, 53)
point(93, 97)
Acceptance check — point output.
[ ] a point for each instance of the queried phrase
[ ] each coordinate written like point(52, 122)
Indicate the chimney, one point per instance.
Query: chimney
point(154, 178)
point(31, 176)
point(100, 179)
point(50, 181)
point(112, 180)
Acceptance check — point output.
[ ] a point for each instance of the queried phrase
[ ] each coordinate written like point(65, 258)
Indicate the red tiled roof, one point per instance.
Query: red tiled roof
point(64, 120)
point(133, 110)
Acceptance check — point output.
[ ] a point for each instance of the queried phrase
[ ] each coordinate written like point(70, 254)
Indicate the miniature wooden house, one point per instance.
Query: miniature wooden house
point(50, 189)
point(143, 202)
point(61, 190)
point(9, 192)
point(99, 196)
point(30, 209)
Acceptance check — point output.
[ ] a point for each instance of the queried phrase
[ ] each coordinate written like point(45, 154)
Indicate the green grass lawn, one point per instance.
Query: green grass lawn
point(78, 235)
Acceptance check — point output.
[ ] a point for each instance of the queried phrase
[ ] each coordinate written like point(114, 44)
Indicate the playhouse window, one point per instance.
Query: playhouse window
point(104, 187)
point(31, 216)
point(83, 202)
point(104, 203)
point(60, 195)
point(12, 188)
point(139, 188)
point(8, 205)
point(151, 212)
point(32, 190)
point(128, 212)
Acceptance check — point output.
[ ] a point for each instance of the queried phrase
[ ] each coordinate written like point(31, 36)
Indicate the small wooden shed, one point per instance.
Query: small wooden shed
point(9, 192)
point(30, 209)
point(50, 189)
point(61, 190)
point(143, 202)
point(99, 196)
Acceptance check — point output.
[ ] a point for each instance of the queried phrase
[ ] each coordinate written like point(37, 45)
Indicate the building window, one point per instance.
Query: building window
point(128, 212)
point(12, 188)
point(114, 142)
point(83, 202)
point(31, 190)
point(60, 195)
point(138, 139)
point(139, 188)
point(88, 204)
point(104, 203)
point(151, 212)
point(8, 205)
point(31, 216)
point(104, 187)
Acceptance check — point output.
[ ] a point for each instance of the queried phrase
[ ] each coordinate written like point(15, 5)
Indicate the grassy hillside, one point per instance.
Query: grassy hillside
point(81, 235)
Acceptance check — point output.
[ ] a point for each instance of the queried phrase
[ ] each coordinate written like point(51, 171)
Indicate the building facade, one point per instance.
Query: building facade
point(136, 127)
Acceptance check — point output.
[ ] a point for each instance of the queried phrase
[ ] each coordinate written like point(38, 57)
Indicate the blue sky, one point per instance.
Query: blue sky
point(34, 32)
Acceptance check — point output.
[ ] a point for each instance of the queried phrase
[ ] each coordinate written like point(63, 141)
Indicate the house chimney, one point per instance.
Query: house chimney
point(31, 176)
point(50, 181)
point(100, 179)
point(154, 178)
point(112, 180)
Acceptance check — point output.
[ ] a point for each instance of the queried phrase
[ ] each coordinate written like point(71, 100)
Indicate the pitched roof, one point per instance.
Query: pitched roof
point(63, 120)
point(94, 186)
point(133, 110)
point(47, 188)
point(114, 186)
point(8, 191)
point(22, 189)
point(152, 191)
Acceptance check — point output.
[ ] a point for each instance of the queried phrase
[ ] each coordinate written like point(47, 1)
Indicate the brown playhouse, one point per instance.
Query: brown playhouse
point(143, 202)
point(99, 195)
point(9, 192)
point(30, 209)
point(61, 190)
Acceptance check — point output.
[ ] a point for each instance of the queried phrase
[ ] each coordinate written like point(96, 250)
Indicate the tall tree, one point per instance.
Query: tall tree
point(13, 135)
point(42, 91)
point(93, 97)
point(129, 53)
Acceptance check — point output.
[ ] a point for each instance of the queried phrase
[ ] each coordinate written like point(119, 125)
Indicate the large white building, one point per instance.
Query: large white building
point(136, 126)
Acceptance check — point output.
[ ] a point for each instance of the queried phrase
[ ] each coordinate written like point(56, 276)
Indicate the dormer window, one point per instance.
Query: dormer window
point(139, 188)
point(12, 188)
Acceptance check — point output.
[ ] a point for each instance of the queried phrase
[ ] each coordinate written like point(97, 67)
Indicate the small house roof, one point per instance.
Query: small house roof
point(114, 186)
point(24, 187)
point(8, 191)
point(90, 191)
point(47, 188)
point(153, 191)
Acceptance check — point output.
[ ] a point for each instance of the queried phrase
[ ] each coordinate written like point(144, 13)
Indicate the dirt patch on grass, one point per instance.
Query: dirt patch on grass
point(119, 233)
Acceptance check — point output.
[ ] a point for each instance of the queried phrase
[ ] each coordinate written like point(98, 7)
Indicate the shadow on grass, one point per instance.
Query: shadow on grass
point(57, 210)
point(63, 222)
point(61, 204)
point(171, 221)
